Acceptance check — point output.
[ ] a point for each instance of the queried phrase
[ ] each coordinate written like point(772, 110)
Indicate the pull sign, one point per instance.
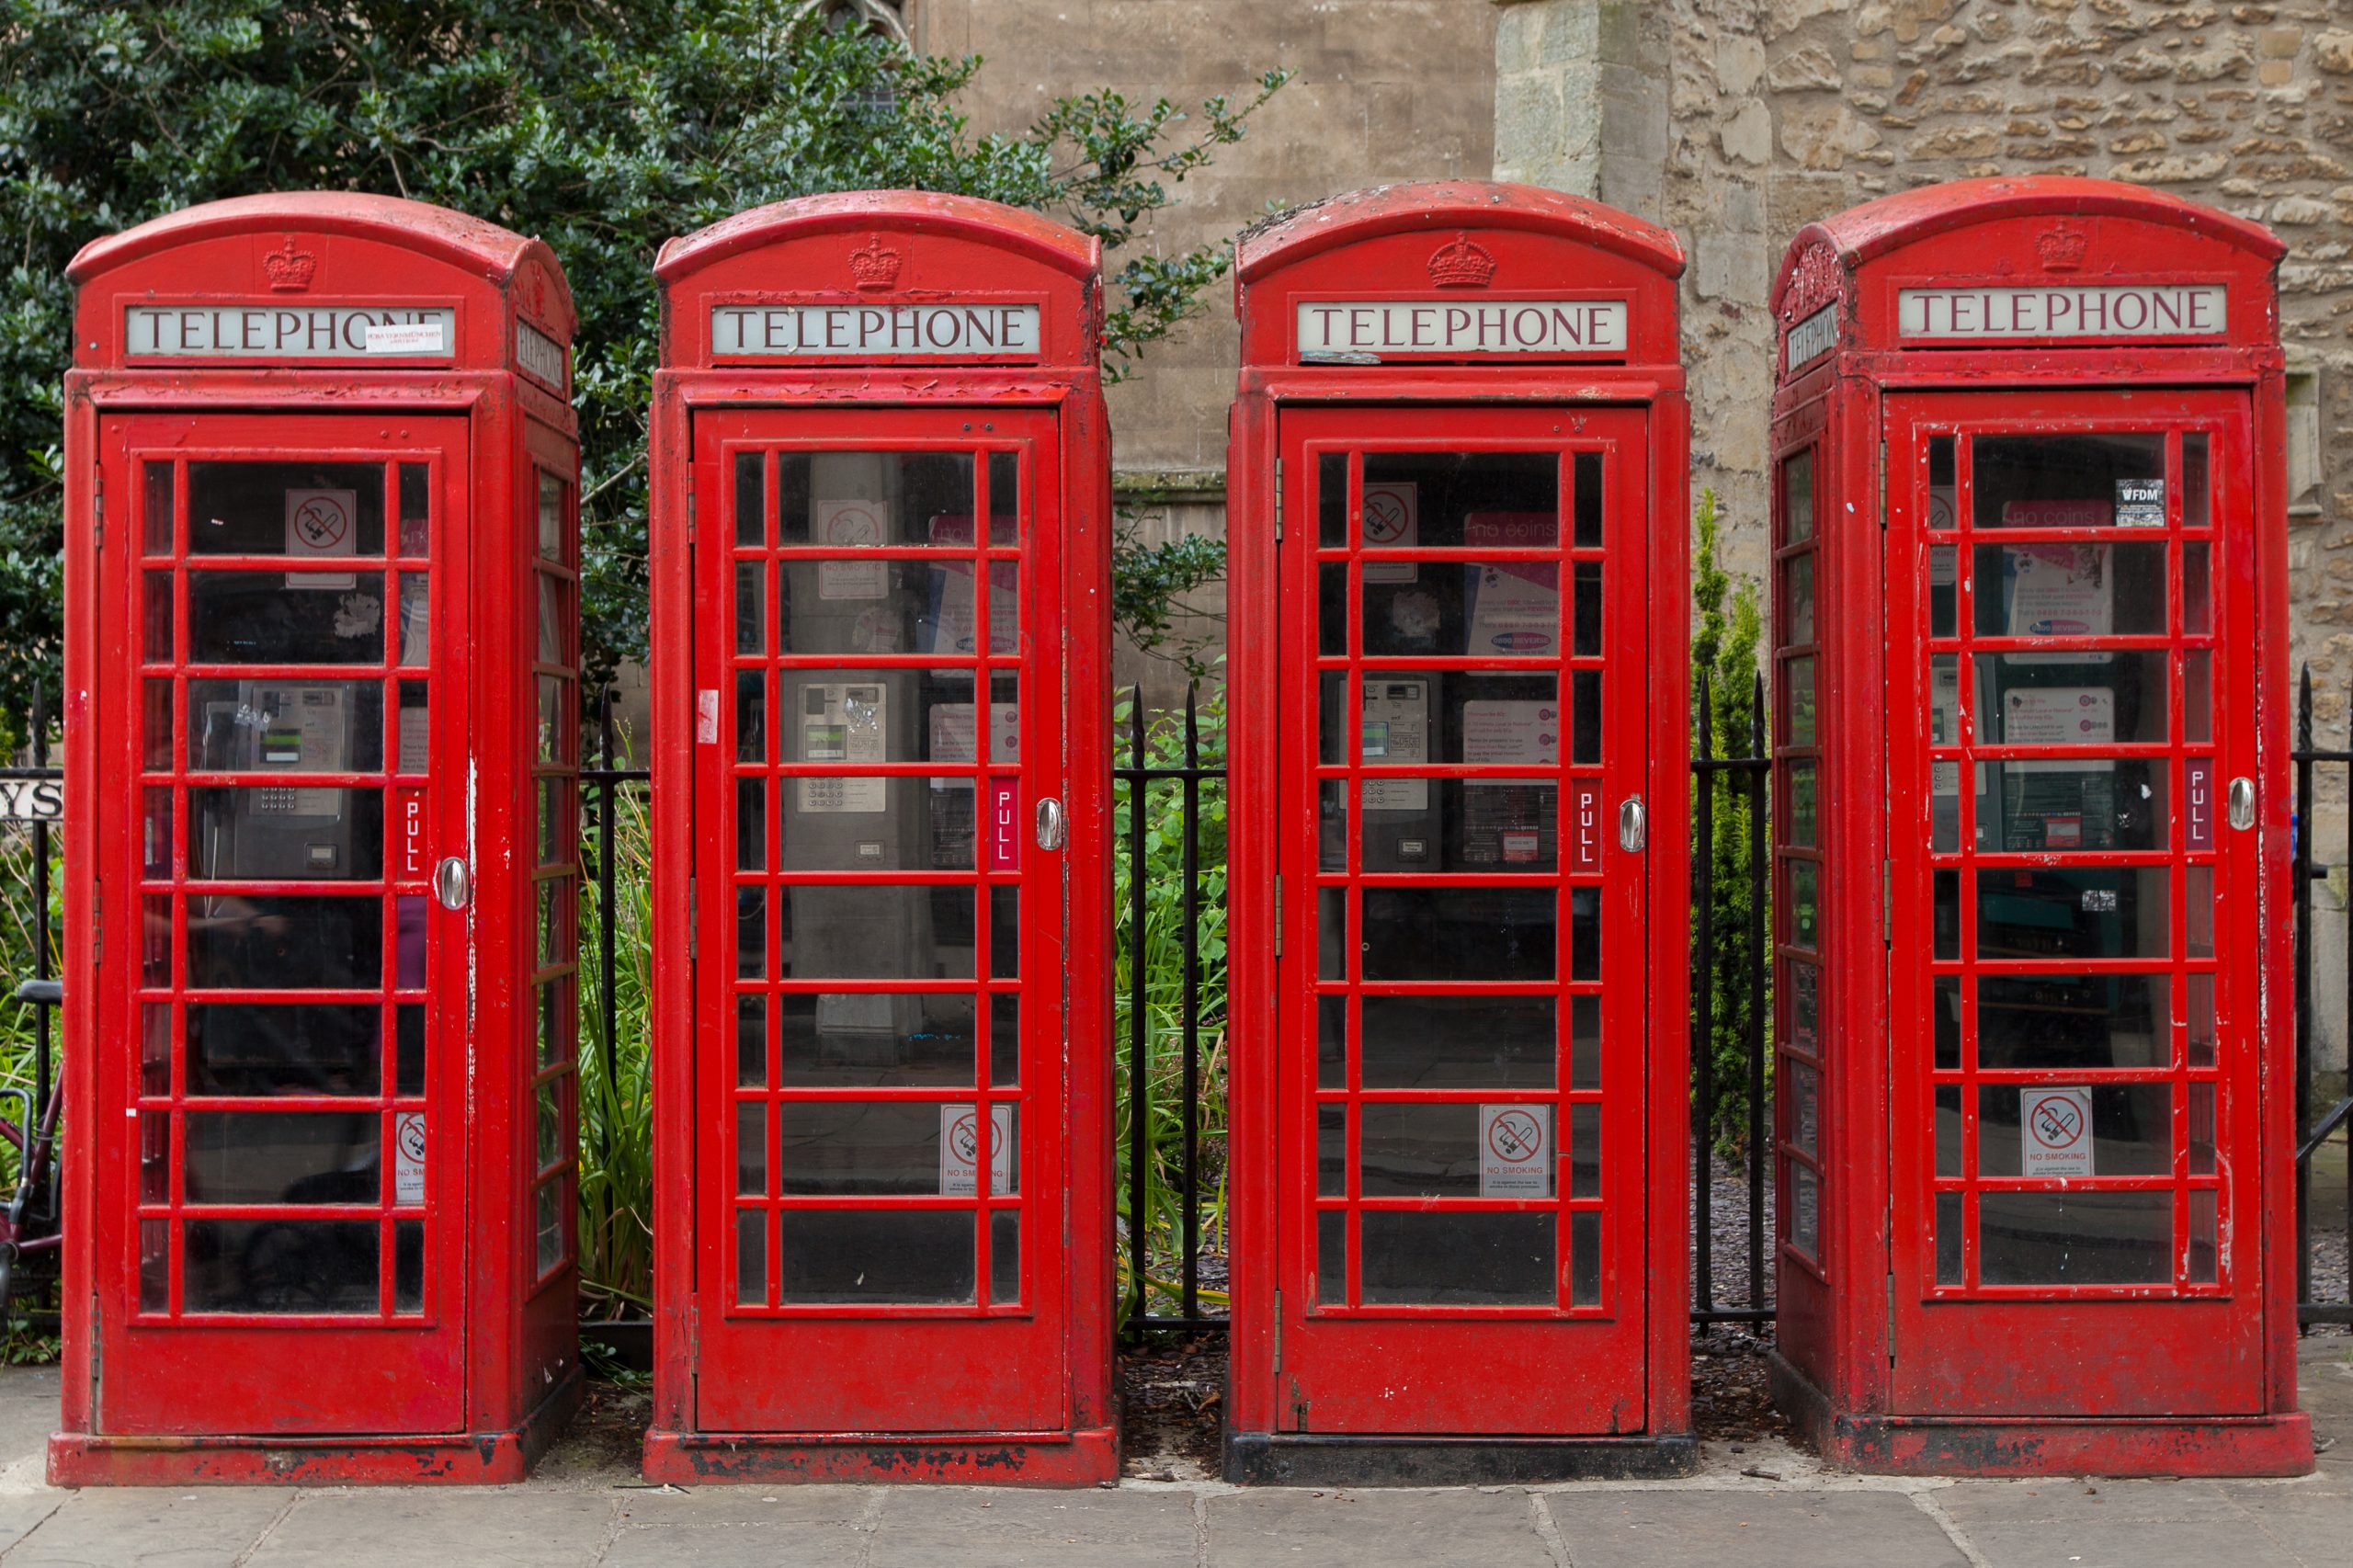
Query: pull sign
point(707, 716)
point(408, 1157)
point(960, 1150)
point(1585, 824)
point(1004, 824)
point(409, 861)
point(2198, 802)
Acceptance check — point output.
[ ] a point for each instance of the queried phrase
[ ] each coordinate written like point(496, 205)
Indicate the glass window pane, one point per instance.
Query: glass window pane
point(157, 509)
point(2091, 804)
point(1005, 1040)
point(283, 1157)
point(1586, 638)
point(1459, 934)
point(2130, 1131)
point(1457, 1258)
point(752, 1041)
point(1447, 500)
point(751, 499)
point(751, 1257)
point(1803, 805)
point(751, 1147)
point(865, 823)
point(2197, 590)
point(877, 932)
point(277, 833)
point(408, 1049)
point(1441, 1150)
point(1797, 496)
point(1331, 1257)
point(1005, 498)
point(2072, 481)
point(851, 1255)
point(1332, 609)
point(268, 726)
point(882, 1039)
point(853, 715)
point(893, 607)
point(2076, 911)
point(1461, 825)
point(2074, 1238)
point(278, 1265)
point(309, 511)
point(1331, 1042)
point(1331, 1151)
point(1584, 1259)
point(1944, 591)
point(155, 619)
point(2072, 1020)
point(2197, 481)
point(1332, 499)
point(1004, 1256)
point(1796, 600)
point(549, 1229)
point(551, 518)
point(853, 500)
point(240, 1048)
point(1488, 608)
point(2069, 590)
point(1588, 482)
point(1942, 510)
point(1805, 1108)
point(1584, 1042)
point(751, 932)
point(408, 1265)
point(1456, 1042)
point(238, 940)
point(1798, 725)
point(1951, 1235)
point(276, 618)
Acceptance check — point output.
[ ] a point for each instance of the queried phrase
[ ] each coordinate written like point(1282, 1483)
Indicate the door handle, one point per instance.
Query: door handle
point(453, 882)
point(1053, 827)
point(1633, 824)
point(2241, 805)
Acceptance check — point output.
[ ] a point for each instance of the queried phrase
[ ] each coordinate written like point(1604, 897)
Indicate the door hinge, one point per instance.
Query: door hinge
point(1278, 914)
point(98, 506)
point(1279, 498)
point(1279, 1331)
point(98, 926)
point(693, 922)
point(690, 516)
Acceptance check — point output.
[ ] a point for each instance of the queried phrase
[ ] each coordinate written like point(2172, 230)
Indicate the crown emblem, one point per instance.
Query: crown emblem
point(1461, 264)
point(2062, 248)
point(875, 265)
point(289, 271)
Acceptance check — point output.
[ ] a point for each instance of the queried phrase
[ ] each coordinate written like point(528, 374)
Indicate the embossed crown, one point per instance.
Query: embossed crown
point(289, 271)
point(875, 265)
point(2062, 248)
point(1461, 264)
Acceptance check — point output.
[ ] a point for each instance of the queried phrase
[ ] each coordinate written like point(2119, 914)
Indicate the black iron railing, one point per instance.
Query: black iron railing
point(2313, 1130)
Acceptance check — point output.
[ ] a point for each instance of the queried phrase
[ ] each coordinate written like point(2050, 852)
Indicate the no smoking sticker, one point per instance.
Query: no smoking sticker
point(1392, 520)
point(2056, 1126)
point(1515, 1150)
point(960, 1150)
point(408, 1157)
point(322, 523)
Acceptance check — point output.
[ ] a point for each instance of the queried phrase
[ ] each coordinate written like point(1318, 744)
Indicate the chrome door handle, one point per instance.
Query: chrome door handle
point(1633, 824)
point(1052, 828)
point(453, 882)
point(2241, 804)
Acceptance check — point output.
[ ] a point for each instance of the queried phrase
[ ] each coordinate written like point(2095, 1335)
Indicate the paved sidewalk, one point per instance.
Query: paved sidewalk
point(1759, 1506)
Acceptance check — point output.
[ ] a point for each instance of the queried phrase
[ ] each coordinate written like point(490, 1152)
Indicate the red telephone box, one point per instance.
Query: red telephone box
point(1459, 608)
point(321, 647)
point(2031, 836)
point(882, 973)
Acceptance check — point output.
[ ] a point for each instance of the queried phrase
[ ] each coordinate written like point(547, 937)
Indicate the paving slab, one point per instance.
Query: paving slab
point(209, 1527)
point(2068, 1500)
point(714, 1507)
point(501, 1527)
point(1464, 1528)
point(924, 1527)
point(787, 1543)
point(27, 1412)
point(1647, 1528)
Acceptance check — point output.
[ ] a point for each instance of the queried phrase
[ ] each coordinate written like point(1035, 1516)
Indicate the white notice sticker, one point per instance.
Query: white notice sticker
point(1515, 1150)
point(406, 337)
point(322, 523)
point(408, 1157)
point(1392, 520)
point(2055, 1124)
point(960, 1150)
point(851, 525)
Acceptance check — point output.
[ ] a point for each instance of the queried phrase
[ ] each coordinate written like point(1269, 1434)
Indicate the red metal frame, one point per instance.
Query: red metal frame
point(2188, 1373)
point(1008, 1390)
point(1314, 1392)
point(484, 1369)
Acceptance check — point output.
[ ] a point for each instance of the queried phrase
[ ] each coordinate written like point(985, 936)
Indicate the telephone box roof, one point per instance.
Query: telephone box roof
point(1449, 204)
point(1012, 229)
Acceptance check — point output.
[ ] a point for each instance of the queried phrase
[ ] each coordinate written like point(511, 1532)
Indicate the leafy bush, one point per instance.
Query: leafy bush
point(617, 1105)
point(1723, 686)
point(1161, 959)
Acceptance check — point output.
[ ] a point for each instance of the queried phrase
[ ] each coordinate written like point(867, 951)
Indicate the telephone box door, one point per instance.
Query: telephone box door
point(1461, 1037)
point(2070, 593)
point(282, 724)
point(879, 1035)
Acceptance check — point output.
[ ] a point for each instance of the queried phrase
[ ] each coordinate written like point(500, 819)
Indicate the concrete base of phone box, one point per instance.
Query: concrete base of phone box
point(2019, 1446)
point(1319, 1459)
point(477, 1458)
point(1090, 1458)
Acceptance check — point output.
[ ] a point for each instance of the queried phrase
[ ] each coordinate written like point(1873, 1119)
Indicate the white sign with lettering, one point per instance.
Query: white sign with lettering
point(539, 356)
point(1813, 337)
point(287, 332)
point(1378, 327)
point(770, 332)
point(2149, 309)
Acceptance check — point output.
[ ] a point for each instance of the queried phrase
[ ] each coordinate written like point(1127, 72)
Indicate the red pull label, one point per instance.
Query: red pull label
point(1584, 826)
point(1003, 826)
point(2198, 802)
point(412, 858)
